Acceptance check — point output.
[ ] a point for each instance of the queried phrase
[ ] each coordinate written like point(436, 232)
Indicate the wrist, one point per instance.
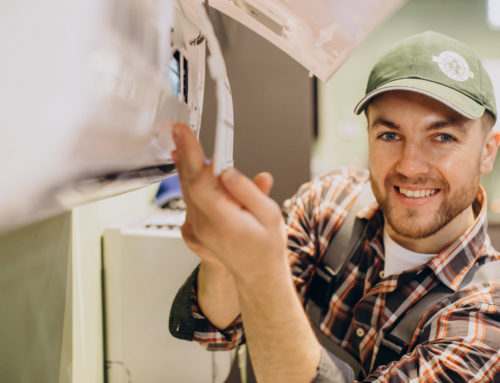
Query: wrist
point(271, 310)
point(268, 279)
point(217, 295)
point(213, 266)
point(213, 276)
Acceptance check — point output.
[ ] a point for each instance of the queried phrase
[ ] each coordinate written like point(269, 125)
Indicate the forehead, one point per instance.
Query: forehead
point(410, 106)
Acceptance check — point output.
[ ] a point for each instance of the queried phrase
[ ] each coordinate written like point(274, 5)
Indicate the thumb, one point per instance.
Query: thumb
point(250, 196)
point(264, 181)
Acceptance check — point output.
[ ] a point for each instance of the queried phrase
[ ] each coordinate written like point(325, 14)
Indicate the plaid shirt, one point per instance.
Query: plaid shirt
point(457, 340)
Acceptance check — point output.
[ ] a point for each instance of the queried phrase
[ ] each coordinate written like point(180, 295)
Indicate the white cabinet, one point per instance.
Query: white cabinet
point(145, 262)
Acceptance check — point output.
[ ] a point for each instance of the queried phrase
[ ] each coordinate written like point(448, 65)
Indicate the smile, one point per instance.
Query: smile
point(416, 193)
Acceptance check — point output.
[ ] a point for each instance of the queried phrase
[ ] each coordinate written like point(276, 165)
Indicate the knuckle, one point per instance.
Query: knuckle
point(192, 185)
point(196, 189)
point(201, 231)
point(189, 237)
point(187, 233)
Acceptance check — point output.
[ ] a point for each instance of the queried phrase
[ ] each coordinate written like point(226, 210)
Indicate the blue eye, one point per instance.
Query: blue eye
point(389, 136)
point(445, 138)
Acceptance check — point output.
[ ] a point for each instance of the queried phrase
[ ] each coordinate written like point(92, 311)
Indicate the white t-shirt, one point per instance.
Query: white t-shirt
point(399, 259)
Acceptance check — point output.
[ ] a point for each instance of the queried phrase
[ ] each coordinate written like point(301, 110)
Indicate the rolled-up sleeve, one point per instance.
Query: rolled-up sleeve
point(188, 322)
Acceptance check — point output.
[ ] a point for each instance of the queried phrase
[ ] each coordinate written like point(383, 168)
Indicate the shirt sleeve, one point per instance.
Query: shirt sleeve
point(443, 361)
point(460, 343)
point(188, 322)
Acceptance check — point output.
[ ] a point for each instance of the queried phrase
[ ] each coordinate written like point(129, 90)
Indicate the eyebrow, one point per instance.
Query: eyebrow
point(450, 123)
point(388, 124)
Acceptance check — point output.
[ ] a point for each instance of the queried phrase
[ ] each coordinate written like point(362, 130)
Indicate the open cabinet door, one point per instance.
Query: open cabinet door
point(319, 34)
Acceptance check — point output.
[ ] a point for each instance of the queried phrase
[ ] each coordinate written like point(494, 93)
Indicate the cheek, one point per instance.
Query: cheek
point(380, 163)
point(459, 168)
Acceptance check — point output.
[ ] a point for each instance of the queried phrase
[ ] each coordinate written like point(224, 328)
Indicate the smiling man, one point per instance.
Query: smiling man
point(422, 255)
point(425, 163)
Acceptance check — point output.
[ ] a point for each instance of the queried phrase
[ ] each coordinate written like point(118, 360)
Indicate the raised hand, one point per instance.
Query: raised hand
point(229, 219)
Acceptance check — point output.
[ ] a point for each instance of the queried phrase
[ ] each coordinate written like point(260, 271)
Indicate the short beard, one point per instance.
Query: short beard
point(408, 225)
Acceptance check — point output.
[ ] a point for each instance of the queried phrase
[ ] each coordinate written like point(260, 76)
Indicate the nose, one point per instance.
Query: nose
point(412, 161)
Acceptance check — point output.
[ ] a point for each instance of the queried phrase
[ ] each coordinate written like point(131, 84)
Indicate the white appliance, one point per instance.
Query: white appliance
point(145, 262)
point(89, 91)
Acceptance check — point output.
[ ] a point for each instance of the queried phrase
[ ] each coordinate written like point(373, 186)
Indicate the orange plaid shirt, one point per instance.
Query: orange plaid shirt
point(457, 340)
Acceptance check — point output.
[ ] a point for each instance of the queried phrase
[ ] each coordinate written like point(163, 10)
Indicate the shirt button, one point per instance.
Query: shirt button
point(381, 274)
point(360, 332)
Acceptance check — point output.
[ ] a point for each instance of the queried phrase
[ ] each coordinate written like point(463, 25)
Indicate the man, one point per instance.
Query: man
point(430, 109)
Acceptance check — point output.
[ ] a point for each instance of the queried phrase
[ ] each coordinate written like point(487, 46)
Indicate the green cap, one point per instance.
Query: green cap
point(437, 66)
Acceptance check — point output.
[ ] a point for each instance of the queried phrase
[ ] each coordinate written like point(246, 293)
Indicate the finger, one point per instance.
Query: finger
point(246, 193)
point(264, 181)
point(189, 157)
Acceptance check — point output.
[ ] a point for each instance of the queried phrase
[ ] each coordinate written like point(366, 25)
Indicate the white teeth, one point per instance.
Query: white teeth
point(417, 193)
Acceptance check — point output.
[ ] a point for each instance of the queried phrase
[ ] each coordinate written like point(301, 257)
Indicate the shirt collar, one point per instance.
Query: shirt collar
point(452, 264)
point(369, 211)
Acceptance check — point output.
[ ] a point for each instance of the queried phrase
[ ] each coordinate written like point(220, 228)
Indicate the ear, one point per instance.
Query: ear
point(489, 151)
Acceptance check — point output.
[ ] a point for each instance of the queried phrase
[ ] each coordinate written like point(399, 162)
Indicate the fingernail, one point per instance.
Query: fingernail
point(230, 176)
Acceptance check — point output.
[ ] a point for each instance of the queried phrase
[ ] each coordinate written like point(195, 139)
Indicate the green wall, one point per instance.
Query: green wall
point(35, 283)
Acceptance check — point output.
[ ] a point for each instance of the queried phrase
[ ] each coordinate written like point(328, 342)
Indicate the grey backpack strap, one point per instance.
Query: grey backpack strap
point(340, 250)
point(337, 254)
point(395, 343)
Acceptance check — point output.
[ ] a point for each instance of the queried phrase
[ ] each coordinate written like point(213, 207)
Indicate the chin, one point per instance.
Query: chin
point(416, 231)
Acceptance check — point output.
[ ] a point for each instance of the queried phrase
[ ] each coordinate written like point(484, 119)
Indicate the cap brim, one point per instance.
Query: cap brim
point(455, 100)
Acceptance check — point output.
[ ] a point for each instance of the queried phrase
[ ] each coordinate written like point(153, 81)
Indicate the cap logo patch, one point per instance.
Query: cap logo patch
point(453, 65)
